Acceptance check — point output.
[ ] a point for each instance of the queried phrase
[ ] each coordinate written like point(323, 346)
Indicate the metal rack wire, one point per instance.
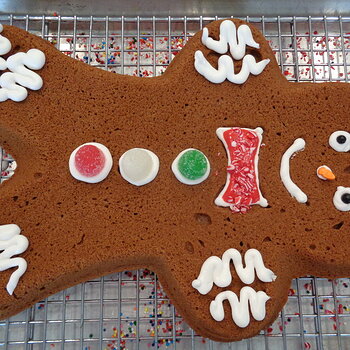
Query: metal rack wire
point(129, 310)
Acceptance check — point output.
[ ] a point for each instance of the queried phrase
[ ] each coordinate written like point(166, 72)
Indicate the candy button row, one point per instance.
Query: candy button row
point(92, 162)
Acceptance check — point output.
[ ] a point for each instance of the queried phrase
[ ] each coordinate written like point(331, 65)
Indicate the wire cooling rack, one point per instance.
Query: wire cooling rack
point(129, 310)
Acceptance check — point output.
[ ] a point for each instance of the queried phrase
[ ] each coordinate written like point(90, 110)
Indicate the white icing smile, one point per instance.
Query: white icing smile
point(292, 188)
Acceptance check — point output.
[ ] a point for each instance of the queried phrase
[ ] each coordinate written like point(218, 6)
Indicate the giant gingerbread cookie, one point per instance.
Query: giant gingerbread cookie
point(196, 163)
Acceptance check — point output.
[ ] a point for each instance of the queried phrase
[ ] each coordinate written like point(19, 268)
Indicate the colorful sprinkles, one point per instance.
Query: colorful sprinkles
point(159, 327)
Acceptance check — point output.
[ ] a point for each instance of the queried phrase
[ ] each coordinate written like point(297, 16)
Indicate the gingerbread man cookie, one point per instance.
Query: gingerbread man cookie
point(198, 164)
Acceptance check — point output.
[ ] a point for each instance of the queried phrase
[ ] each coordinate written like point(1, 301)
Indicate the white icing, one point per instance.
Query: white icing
point(228, 36)
point(337, 201)
point(239, 307)
point(292, 188)
point(139, 166)
point(219, 200)
point(340, 147)
point(226, 68)
point(12, 243)
point(319, 175)
point(5, 47)
point(92, 179)
point(180, 177)
point(217, 271)
point(17, 63)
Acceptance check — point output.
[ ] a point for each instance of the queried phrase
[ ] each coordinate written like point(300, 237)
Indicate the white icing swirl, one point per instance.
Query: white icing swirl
point(228, 36)
point(12, 243)
point(292, 188)
point(217, 271)
point(33, 59)
point(240, 307)
point(226, 68)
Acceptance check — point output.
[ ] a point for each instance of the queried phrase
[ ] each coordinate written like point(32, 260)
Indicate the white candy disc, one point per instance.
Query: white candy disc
point(90, 162)
point(139, 166)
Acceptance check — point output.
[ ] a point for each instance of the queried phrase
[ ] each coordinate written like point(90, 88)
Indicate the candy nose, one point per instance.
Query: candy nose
point(325, 173)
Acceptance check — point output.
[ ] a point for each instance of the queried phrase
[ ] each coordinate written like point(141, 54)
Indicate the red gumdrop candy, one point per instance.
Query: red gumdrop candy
point(89, 160)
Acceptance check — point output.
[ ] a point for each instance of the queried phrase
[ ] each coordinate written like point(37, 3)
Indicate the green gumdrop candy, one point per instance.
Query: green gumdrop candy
point(193, 165)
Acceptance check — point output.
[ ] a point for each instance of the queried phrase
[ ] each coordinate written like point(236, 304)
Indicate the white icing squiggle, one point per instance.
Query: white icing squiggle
point(33, 59)
point(217, 271)
point(236, 39)
point(292, 188)
point(240, 307)
point(12, 243)
point(5, 47)
point(226, 68)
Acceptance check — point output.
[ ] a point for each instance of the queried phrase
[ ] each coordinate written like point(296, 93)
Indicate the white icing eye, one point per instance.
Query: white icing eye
point(90, 162)
point(341, 198)
point(191, 167)
point(139, 166)
point(340, 141)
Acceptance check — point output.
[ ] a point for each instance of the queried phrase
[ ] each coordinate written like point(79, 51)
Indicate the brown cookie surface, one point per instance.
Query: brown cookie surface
point(78, 231)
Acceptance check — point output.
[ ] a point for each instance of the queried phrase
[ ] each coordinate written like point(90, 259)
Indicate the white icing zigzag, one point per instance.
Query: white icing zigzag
point(217, 271)
point(240, 307)
point(226, 68)
point(228, 36)
point(5, 47)
point(12, 243)
point(33, 59)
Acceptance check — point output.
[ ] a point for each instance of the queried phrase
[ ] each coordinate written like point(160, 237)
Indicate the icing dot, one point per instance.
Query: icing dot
point(193, 165)
point(341, 139)
point(346, 198)
point(139, 166)
point(89, 160)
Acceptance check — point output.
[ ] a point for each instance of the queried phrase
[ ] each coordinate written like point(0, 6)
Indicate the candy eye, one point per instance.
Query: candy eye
point(138, 166)
point(90, 162)
point(341, 198)
point(191, 167)
point(340, 141)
